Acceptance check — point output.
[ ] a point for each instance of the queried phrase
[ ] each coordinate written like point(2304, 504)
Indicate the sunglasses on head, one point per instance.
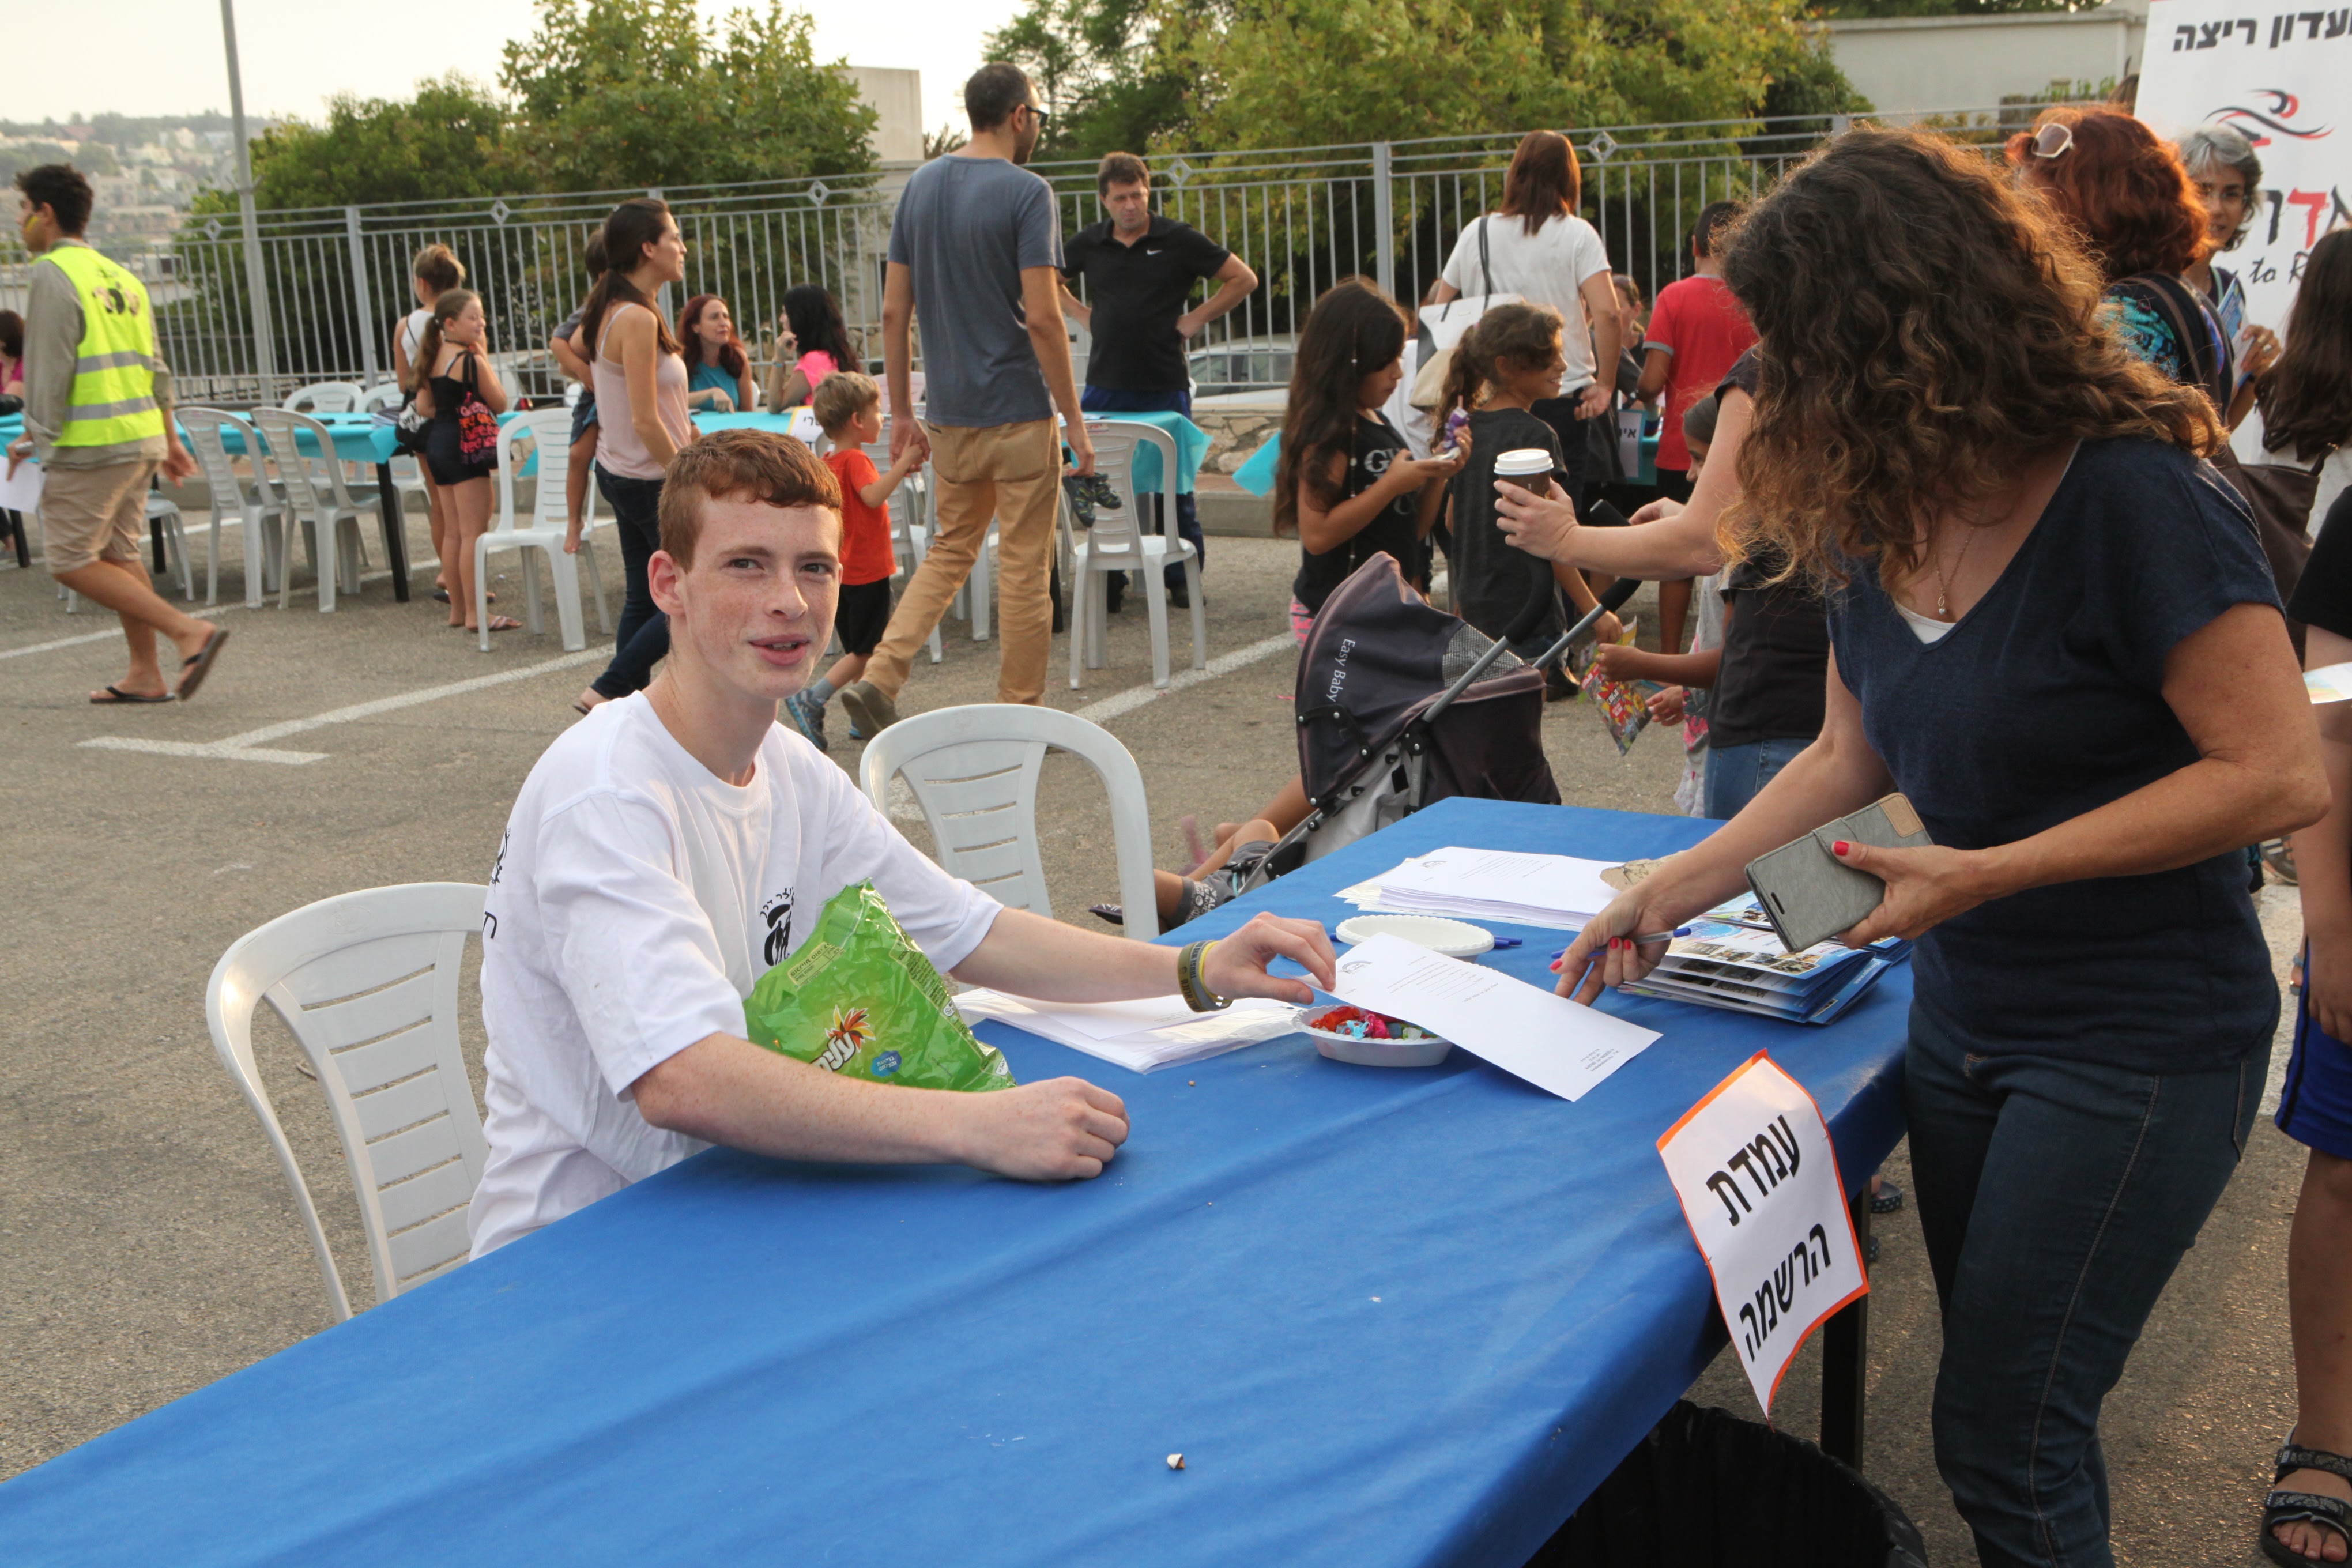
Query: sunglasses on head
point(2052, 140)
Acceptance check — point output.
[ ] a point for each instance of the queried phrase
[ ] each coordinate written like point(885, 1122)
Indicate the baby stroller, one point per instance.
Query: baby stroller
point(1401, 705)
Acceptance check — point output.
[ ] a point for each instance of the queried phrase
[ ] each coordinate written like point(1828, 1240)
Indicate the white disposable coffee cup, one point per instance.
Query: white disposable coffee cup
point(1527, 466)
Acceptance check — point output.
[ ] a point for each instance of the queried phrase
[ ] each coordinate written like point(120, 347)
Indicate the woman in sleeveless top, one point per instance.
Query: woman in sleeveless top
point(455, 369)
point(717, 368)
point(641, 390)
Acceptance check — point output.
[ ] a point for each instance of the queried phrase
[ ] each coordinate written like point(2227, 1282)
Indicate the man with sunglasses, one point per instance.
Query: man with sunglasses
point(975, 257)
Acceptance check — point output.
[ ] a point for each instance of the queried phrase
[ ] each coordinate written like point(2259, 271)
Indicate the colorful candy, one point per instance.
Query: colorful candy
point(1357, 1023)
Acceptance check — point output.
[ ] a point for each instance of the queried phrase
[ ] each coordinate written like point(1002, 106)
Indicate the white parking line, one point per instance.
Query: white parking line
point(1134, 697)
point(253, 746)
point(61, 642)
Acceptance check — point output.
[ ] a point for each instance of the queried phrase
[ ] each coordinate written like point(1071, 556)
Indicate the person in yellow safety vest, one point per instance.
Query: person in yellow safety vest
point(98, 419)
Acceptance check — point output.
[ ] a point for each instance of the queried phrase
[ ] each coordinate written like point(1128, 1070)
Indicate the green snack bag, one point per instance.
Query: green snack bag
point(861, 999)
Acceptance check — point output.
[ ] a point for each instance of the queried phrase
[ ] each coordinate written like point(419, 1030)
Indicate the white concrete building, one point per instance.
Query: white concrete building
point(1909, 64)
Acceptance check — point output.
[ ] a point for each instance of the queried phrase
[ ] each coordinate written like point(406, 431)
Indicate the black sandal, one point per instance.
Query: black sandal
point(1887, 1199)
point(2303, 1508)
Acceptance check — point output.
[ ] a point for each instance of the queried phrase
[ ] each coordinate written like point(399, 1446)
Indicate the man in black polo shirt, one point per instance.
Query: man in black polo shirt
point(1139, 269)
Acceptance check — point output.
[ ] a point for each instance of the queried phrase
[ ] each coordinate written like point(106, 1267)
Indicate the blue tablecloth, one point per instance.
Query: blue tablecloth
point(1388, 1317)
point(359, 438)
point(798, 423)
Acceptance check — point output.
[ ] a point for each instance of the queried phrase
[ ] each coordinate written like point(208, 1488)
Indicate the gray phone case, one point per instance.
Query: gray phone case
point(1809, 894)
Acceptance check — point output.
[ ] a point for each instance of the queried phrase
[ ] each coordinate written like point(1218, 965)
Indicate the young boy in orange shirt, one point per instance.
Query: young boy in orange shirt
point(849, 409)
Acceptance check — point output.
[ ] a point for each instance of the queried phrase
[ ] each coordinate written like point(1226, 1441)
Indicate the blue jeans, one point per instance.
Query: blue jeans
point(1113, 400)
point(1734, 774)
point(2056, 1198)
point(643, 640)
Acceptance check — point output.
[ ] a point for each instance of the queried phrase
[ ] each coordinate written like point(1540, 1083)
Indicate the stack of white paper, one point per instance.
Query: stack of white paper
point(1141, 1036)
point(1555, 890)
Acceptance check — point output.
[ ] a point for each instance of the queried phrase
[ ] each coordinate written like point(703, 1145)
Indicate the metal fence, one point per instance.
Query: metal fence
point(338, 282)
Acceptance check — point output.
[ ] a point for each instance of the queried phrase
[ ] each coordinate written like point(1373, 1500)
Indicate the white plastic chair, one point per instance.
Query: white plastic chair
point(1117, 543)
point(549, 429)
point(325, 397)
point(974, 771)
point(317, 496)
point(162, 509)
point(256, 505)
point(368, 984)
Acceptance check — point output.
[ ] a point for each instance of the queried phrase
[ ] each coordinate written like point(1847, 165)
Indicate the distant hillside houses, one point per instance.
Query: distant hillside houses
point(145, 170)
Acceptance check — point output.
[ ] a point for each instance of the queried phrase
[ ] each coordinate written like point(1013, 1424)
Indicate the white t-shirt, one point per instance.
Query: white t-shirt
point(1546, 267)
point(412, 333)
point(636, 898)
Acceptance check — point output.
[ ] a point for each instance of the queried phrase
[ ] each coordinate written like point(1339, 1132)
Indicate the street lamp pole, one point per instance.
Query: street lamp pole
point(256, 283)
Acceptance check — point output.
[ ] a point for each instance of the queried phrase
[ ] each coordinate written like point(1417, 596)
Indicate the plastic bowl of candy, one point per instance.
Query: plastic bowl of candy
point(1347, 1034)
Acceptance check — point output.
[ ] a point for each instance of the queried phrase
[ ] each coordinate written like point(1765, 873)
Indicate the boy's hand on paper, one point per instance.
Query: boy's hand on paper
point(1618, 661)
point(1924, 887)
point(1236, 965)
point(1061, 1130)
point(1602, 953)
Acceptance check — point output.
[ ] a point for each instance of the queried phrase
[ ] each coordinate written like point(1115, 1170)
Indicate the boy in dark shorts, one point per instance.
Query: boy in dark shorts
point(849, 407)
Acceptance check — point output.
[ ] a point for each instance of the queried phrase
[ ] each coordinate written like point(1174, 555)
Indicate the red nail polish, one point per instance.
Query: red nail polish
point(1840, 848)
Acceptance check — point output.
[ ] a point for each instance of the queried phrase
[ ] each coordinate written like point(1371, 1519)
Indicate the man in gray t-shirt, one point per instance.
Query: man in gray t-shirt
point(975, 255)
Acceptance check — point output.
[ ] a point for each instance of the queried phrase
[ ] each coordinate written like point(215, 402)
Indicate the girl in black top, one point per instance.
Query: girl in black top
point(455, 371)
point(1347, 484)
point(1505, 364)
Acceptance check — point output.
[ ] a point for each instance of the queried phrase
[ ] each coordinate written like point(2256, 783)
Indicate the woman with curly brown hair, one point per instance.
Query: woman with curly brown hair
point(2052, 629)
point(2137, 212)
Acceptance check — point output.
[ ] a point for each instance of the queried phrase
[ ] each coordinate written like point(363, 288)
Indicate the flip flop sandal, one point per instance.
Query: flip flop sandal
point(199, 664)
point(500, 624)
point(2303, 1508)
point(114, 696)
point(1112, 913)
point(1887, 1199)
point(442, 595)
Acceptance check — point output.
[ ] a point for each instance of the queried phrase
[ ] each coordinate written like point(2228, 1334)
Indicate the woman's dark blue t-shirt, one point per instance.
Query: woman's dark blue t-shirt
point(2046, 701)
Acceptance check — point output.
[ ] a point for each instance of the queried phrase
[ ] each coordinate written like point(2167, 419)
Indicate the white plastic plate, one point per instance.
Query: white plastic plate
point(1454, 939)
point(1371, 1053)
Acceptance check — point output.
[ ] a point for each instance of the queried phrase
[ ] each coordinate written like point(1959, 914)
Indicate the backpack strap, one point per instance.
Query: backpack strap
point(1485, 262)
point(2192, 327)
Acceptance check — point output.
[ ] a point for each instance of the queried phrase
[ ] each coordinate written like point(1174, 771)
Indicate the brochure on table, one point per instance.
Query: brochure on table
point(1143, 1036)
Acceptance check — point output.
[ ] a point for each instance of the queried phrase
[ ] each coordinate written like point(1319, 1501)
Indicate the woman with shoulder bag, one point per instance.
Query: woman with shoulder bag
point(2306, 397)
point(2052, 629)
point(461, 397)
point(433, 273)
point(1548, 257)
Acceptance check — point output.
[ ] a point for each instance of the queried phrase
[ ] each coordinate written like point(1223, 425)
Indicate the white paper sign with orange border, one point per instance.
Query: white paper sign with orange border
point(1758, 1177)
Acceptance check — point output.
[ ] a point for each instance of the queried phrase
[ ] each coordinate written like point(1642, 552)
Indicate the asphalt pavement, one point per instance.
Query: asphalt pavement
point(147, 1242)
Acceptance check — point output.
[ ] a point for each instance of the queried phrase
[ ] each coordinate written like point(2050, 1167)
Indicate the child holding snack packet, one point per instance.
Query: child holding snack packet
point(1346, 484)
point(849, 407)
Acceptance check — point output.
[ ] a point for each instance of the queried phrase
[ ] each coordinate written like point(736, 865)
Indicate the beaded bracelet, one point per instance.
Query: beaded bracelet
point(1193, 985)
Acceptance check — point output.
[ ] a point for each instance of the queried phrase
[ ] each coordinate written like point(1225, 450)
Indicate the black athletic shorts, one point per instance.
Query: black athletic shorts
point(863, 613)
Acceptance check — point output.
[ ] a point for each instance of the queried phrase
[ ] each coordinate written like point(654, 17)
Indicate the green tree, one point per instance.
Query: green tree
point(1096, 67)
point(448, 142)
point(1309, 72)
point(1948, 7)
point(615, 93)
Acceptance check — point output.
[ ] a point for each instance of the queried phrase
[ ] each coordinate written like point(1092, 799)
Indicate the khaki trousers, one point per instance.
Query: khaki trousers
point(1011, 474)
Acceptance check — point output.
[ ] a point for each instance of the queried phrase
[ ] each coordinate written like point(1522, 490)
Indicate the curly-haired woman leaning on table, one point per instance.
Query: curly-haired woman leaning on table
point(2052, 627)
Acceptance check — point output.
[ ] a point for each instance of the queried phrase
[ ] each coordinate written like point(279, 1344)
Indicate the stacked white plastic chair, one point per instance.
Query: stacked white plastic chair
point(368, 982)
point(326, 397)
point(1117, 543)
point(973, 770)
point(549, 431)
point(407, 468)
point(253, 504)
point(317, 496)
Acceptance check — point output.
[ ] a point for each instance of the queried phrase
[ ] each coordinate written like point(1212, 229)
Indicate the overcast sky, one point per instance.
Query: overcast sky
point(164, 56)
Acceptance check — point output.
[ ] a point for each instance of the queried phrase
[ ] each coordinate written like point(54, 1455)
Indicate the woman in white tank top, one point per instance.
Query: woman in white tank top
point(640, 380)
